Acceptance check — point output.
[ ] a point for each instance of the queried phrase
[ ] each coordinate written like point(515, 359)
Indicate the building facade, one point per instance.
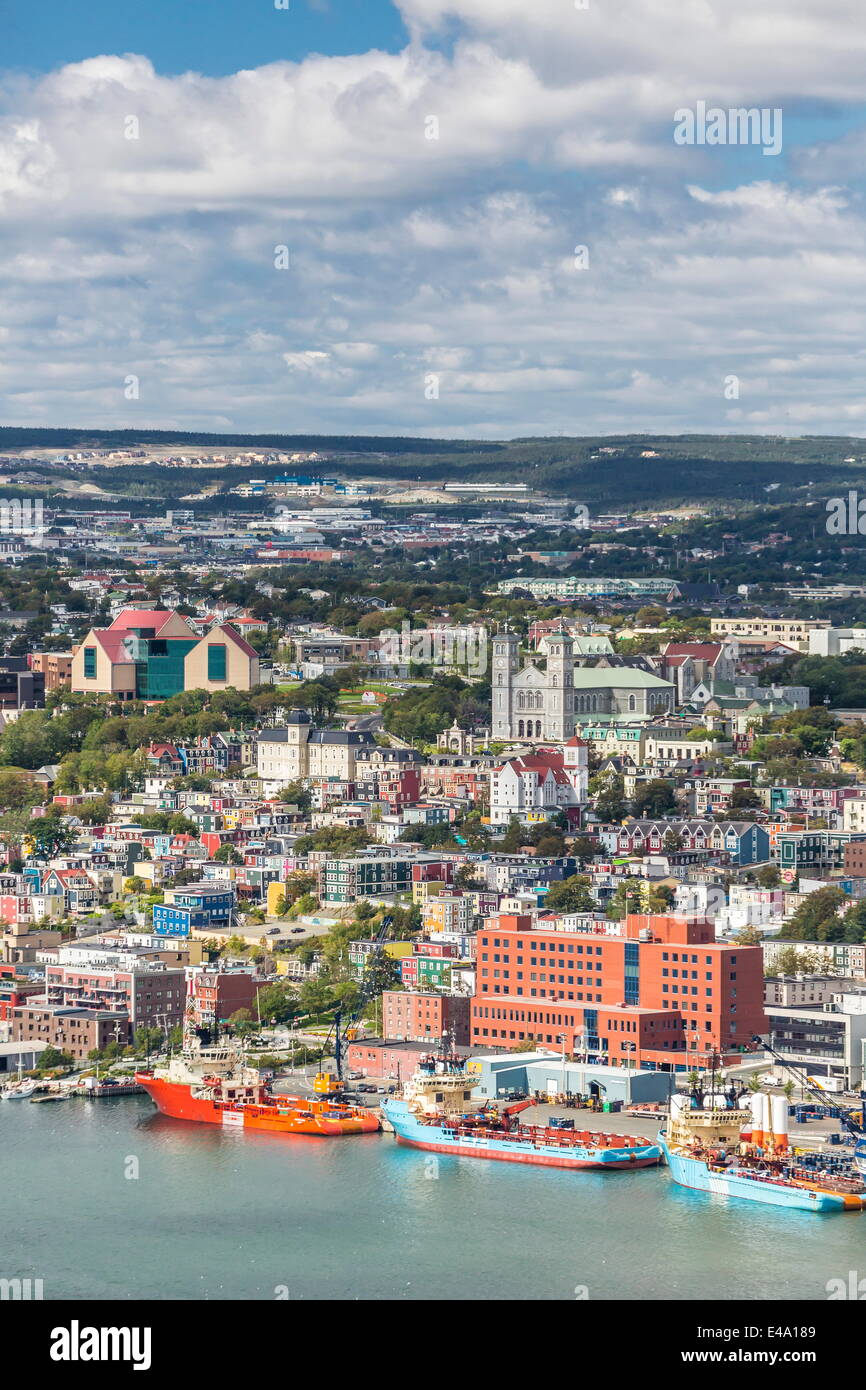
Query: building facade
point(650, 992)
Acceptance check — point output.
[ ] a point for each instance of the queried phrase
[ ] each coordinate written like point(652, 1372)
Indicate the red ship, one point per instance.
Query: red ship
point(212, 1086)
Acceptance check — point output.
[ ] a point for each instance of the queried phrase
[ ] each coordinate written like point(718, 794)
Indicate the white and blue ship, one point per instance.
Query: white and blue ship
point(745, 1154)
point(436, 1112)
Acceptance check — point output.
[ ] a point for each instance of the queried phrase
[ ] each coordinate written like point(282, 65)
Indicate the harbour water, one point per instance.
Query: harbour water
point(216, 1214)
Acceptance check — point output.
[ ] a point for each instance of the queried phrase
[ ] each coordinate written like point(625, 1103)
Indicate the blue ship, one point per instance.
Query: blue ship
point(719, 1150)
point(436, 1112)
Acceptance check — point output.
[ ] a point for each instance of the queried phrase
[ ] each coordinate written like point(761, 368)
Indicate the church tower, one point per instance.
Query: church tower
point(559, 693)
point(504, 669)
point(298, 729)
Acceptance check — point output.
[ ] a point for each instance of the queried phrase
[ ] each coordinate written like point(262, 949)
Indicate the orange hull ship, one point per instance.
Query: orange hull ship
point(214, 1088)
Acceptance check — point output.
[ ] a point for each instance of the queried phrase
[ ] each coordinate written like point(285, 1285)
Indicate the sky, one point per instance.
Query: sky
point(437, 217)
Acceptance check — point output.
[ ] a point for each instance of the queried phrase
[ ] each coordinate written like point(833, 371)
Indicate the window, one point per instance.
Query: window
point(90, 663)
point(216, 661)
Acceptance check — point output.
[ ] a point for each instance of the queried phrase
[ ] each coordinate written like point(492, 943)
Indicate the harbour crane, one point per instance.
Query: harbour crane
point(847, 1118)
point(327, 1083)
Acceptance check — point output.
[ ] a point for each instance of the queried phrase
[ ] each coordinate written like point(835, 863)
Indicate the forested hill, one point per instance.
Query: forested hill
point(606, 470)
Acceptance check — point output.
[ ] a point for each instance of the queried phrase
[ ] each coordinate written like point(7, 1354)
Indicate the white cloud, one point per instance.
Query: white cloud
point(156, 254)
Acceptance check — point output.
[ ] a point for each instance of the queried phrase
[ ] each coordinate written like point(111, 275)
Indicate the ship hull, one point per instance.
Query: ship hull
point(409, 1131)
point(694, 1173)
point(178, 1102)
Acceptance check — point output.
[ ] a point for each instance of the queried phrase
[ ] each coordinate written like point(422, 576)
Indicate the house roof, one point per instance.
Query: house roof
point(234, 636)
point(143, 617)
point(619, 677)
point(112, 643)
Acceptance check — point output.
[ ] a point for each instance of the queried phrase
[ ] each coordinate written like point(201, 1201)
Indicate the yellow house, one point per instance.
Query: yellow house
point(429, 888)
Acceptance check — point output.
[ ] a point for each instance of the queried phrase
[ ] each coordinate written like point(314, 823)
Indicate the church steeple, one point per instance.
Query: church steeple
point(559, 693)
point(504, 669)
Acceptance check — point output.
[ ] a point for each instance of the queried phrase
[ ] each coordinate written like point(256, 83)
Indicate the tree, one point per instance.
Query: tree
point(628, 898)
point(570, 895)
point(227, 854)
point(768, 876)
point(513, 837)
point(273, 1001)
point(790, 961)
point(660, 898)
point(316, 997)
point(50, 1059)
point(654, 799)
point(52, 836)
point(584, 848)
point(296, 794)
point(818, 919)
point(381, 972)
point(234, 946)
point(610, 802)
point(748, 936)
point(465, 877)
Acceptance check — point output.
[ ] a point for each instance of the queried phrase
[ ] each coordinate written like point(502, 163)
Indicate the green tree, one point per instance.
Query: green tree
point(572, 894)
point(817, 918)
point(654, 799)
point(768, 876)
point(628, 897)
point(274, 1002)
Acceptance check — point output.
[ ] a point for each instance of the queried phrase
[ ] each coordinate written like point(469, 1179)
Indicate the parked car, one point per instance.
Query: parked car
point(273, 931)
point(295, 930)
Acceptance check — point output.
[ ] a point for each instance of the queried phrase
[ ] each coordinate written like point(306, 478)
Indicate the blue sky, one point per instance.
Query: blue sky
point(214, 37)
point(364, 217)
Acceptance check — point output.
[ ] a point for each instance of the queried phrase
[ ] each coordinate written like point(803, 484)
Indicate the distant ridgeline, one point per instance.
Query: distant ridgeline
point(609, 470)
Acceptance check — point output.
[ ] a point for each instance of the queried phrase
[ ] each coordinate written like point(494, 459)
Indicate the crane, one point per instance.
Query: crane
point(854, 1127)
point(327, 1082)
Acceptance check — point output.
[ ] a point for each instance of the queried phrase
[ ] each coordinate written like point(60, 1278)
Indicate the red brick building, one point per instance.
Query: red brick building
point(649, 992)
point(15, 990)
point(147, 996)
point(425, 1016)
point(390, 1060)
point(217, 994)
point(75, 1031)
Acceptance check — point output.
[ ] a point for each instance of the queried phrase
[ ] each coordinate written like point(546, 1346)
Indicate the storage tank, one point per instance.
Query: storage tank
point(756, 1105)
point(779, 1111)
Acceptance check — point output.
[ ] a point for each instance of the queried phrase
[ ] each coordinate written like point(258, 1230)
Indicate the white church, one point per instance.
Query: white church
point(532, 704)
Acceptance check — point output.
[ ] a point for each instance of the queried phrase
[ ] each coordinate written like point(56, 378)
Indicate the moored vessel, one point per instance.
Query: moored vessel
point(436, 1112)
point(213, 1086)
point(745, 1153)
point(22, 1090)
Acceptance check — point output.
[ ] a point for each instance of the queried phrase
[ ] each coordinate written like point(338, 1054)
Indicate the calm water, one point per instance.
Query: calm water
point(216, 1215)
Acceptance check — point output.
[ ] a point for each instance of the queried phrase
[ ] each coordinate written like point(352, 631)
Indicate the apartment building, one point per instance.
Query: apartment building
point(425, 1017)
point(654, 991)
point(793, 632)
point(148, 996)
